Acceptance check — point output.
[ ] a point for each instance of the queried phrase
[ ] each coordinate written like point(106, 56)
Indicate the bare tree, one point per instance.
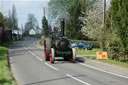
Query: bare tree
point(14, 18)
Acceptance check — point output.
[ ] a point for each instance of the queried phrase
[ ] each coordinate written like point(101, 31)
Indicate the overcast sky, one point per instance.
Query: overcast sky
point(24, 7)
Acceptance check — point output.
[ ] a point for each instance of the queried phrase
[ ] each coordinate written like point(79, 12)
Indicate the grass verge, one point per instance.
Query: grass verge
point(90, 54)
point(113, 62)
point(6, 44)
point(117, 63)
point(91, 57)
point(5, 74)
point(35, 36)
point(21, 39)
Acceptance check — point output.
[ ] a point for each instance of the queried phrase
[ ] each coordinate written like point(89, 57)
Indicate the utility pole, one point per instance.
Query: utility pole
point(22, 29)
point(44, 10)
point(104, 12)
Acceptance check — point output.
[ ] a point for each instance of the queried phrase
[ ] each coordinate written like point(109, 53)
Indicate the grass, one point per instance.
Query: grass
point(6, 44)
point(35, 36)
point(90, 54)
point(91, 57)
point(21, 39)
point(87, 52)
point(42, 40)
point(113, 62)
point(5, 74)
point(41, 43)
point(117, 63)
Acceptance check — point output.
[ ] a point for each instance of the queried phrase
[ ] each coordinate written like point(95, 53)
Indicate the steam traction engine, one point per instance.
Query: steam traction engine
point(58, 46)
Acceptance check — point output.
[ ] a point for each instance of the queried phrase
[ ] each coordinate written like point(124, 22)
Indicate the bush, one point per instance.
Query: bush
point(119, 11)
point(116, 51)
point(42, 40)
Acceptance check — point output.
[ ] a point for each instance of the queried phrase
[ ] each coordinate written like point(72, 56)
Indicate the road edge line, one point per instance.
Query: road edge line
point(104, 71)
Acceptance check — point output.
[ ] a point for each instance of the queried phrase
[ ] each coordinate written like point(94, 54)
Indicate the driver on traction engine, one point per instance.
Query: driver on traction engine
point(53, 31)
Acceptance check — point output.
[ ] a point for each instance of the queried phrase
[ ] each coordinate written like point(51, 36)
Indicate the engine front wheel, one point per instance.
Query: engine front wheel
point(45, 57)
point(47, 47)
point(52, 55)
point(73, 57)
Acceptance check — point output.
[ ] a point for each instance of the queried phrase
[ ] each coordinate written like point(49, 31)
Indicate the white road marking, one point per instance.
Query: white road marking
point(39, 58)
point(33, 54)
point(78, 79)
point(51, 66)
point(104, 71)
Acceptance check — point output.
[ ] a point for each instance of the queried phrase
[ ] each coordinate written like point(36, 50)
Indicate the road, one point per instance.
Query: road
point(29, 68)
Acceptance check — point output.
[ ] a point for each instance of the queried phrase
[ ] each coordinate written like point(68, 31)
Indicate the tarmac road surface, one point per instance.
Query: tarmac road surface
point(29, 68)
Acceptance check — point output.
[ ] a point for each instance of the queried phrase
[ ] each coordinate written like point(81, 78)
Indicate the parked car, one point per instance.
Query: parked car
point(75, 45)
point(82, 45)
point(85, 46)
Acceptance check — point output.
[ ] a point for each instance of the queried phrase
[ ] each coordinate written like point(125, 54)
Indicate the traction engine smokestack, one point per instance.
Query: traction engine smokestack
point(62, 23)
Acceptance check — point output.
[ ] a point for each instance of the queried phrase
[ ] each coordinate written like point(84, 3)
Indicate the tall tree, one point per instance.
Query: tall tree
point(1, 19)
point(14, 18)
point(45, 27)
point(8, 20)
point(2, 28)
point(74, 24)
point(119, 10)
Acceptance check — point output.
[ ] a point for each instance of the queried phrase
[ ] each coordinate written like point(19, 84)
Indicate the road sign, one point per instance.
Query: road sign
point(101, 55)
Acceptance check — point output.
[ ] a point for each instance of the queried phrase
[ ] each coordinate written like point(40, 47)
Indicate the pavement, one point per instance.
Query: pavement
point(29, 68)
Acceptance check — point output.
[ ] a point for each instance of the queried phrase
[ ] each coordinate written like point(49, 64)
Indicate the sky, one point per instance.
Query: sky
point(23, 8)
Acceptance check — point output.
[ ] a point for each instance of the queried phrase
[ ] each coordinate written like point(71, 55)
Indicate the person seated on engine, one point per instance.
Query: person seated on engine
point(53, 31)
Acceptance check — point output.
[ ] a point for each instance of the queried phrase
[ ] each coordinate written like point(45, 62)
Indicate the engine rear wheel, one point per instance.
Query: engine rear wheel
point(47, 47)
point(73, 57)
point(45, 58)
point(52, 55)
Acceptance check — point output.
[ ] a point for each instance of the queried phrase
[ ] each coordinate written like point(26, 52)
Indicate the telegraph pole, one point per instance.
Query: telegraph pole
point(44, 10)
point(104, 12)
point(22, 29)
